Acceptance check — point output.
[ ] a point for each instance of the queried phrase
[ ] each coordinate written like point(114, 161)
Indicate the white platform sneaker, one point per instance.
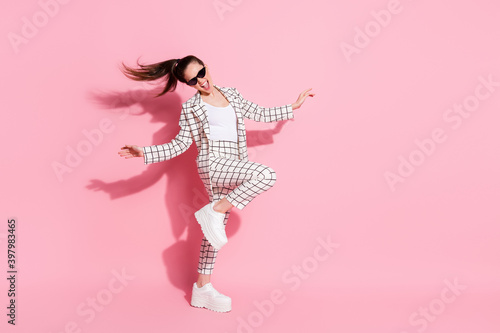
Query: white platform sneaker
point(209, 298)
point(212, 225)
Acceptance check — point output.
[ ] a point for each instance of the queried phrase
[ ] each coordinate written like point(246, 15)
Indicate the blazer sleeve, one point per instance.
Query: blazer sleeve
point(259, 113)
point(178, 145)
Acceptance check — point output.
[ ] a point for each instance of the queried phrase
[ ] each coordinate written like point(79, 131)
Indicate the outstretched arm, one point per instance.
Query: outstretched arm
point(166, 151)
point(160, 153)
point(258, 113)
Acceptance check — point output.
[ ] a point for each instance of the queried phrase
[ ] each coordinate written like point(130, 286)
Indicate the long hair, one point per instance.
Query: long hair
point(172, 70)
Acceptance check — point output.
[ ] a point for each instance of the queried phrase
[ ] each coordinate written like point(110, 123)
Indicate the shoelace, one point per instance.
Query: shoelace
point(215, 291)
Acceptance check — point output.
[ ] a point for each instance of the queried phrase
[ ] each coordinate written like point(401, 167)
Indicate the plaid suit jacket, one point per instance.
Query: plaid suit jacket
point(194, 126)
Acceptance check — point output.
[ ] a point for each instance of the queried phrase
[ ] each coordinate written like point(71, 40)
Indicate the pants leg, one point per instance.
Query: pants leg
point(207, 253)
point(239, 181)
point(246, 179)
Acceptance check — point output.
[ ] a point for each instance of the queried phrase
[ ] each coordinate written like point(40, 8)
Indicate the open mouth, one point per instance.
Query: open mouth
point(205, 85)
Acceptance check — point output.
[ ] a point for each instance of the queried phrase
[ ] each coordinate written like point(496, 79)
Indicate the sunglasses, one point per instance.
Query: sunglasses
point(194, 80)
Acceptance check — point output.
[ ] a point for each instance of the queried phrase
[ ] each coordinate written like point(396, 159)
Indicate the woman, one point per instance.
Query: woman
point(213, 119)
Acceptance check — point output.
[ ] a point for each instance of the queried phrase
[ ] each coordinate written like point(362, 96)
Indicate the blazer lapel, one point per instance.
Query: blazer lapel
point(200, 112)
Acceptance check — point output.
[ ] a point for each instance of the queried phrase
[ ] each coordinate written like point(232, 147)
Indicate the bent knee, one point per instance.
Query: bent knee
point(268, 176)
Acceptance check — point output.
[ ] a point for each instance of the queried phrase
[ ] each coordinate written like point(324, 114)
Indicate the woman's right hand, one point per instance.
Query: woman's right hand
point(129, 151)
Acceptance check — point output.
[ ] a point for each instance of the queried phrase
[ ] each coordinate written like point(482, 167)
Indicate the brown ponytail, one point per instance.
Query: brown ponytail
point(172, 69)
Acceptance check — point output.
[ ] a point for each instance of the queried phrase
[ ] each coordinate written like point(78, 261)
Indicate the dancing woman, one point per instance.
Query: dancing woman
point(213, 119)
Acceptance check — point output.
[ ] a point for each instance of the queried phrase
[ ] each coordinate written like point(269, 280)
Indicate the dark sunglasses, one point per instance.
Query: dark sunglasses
point(194, 80)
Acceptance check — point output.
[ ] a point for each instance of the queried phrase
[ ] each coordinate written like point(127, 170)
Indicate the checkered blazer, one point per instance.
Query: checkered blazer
point(195, 127)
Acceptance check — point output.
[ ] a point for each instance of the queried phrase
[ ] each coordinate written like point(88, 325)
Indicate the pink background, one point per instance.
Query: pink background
point(399, 247)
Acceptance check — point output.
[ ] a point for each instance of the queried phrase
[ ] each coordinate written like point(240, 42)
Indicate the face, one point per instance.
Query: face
point(204, 85)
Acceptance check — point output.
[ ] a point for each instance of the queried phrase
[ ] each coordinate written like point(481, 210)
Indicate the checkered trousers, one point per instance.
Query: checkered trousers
point(238, 180)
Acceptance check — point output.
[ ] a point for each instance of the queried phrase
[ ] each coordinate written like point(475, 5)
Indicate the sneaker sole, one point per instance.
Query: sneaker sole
point(199, 303)
point(201, 217)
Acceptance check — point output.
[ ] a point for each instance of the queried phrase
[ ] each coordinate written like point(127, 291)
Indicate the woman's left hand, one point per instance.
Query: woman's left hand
point(302, 97)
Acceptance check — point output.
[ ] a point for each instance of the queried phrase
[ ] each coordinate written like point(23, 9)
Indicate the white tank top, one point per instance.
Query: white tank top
point(222, 121)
